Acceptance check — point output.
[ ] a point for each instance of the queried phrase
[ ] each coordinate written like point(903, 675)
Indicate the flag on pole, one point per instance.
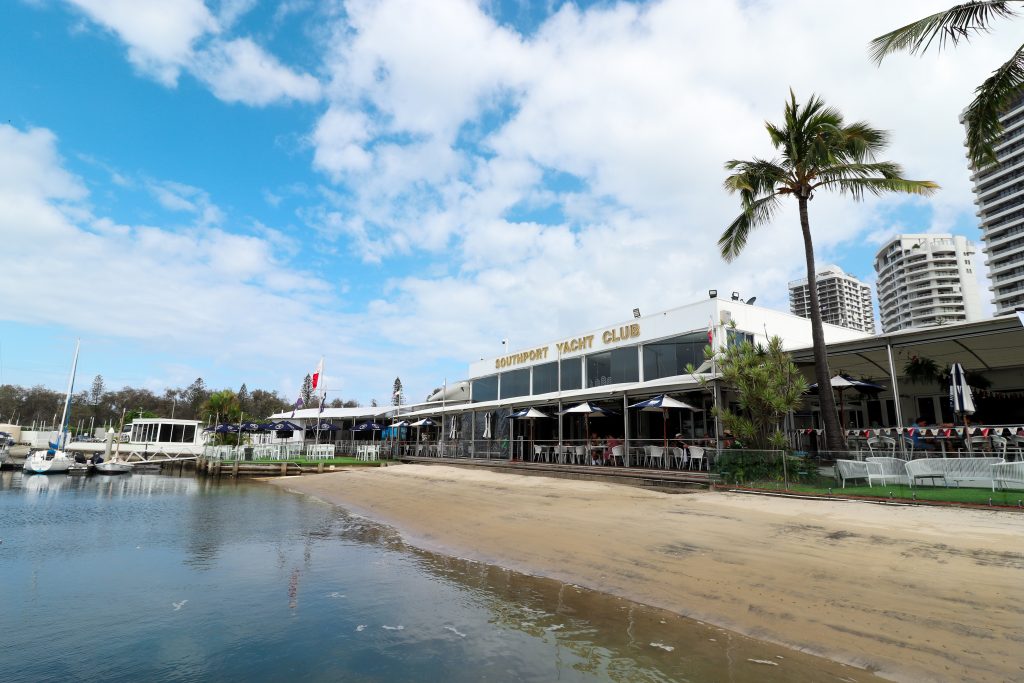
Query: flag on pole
point(298, 404)
point(323, 399)
point(318, 373)
point(711, 332)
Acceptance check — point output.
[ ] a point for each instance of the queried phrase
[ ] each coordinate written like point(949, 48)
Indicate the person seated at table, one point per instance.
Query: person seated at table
point(610, 443)
point(918, 438)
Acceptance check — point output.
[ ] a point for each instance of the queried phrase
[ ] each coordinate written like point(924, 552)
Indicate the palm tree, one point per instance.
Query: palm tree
point(819, 151)
point(991, 98)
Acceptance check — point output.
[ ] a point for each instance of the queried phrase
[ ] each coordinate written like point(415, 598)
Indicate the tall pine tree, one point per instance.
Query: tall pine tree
point(396, 394)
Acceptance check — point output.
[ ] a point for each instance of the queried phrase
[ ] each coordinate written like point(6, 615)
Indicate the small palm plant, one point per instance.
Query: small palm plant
point(818, 151)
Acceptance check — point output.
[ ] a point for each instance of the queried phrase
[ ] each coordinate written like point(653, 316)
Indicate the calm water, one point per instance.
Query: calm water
point(162, 578)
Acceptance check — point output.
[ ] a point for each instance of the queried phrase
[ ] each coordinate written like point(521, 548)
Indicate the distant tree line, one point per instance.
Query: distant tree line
point(100, 406)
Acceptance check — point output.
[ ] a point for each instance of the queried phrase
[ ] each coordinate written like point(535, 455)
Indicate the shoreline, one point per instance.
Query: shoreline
point(907, 593)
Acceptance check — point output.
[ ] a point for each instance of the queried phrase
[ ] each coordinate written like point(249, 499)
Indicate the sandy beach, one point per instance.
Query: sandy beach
point(911, 593)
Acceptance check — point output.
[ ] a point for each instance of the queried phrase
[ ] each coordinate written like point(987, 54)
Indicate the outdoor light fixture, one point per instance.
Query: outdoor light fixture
point(636, 312)
point(735, 296)
point(712, 293)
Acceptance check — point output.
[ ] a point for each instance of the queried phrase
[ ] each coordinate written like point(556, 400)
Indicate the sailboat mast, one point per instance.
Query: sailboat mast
point(63, 436)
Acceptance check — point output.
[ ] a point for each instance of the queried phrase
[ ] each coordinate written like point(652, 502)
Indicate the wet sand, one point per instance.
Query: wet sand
point(910, 593)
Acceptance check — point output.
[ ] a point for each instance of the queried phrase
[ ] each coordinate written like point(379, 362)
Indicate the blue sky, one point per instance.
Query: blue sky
point(233, 189)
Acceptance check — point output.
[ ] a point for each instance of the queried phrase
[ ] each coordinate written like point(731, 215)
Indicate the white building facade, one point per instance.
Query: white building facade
point(999, 195)
point(844, 300)
point(926, 280)
point(645, 353)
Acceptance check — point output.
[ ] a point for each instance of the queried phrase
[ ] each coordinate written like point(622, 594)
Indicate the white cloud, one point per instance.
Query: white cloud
point(159, 34)
point(241, 71)
point(164, 38)
point(642, 103)
point(200, 291)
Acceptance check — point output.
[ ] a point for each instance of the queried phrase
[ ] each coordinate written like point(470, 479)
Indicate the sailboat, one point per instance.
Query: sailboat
point(115, 465)
point(54, 459)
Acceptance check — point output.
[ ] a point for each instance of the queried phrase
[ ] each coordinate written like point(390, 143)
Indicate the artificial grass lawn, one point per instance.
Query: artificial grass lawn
point(976, 496)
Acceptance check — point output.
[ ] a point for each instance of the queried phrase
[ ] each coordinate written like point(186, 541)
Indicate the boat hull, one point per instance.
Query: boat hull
point(41, 463)
point(113, 468)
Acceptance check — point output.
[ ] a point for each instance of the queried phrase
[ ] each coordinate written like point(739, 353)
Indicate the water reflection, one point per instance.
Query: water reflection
point(200, 579)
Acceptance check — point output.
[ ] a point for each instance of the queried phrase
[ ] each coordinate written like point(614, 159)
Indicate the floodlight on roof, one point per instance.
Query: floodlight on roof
point(712, 293)
point(735, 296)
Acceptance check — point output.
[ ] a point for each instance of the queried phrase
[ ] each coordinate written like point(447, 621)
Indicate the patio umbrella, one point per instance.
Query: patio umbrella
point(223, 429)
point(662, 404)
point(843, 382)
point(368, 427)
point(283, 426)
point(530, 414)
point(322, 427)
point(453, 433)
point(425, 422)
point(251, 427)
point(587, 409)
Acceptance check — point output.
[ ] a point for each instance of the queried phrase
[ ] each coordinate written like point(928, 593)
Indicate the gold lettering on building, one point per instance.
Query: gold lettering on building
point(539, 353)
point(613, 336)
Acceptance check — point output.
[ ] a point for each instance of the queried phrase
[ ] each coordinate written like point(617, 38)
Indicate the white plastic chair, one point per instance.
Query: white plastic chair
point(679, 457)
point(579, 455)
point(697, 456)
point(620, 453)
point(656, 453)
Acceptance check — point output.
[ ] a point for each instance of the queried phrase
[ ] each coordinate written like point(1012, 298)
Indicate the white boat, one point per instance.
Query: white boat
point(54, 460)
point(113, 467)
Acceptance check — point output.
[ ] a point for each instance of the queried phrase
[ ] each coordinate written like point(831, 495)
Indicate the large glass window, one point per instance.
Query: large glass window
point(545, 378)
point(613, 367)
point(190, 434)
point(572, 374)
point(485, 389)
point(165, 433)
point(515, 383)
point(670, 356)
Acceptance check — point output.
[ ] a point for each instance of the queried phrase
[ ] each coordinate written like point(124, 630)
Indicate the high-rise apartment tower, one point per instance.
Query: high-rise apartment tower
point(926, 280)
point(844, 300)
point(999, 194)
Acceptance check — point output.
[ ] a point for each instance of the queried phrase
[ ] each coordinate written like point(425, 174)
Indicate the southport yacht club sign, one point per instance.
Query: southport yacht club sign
point(609, 337)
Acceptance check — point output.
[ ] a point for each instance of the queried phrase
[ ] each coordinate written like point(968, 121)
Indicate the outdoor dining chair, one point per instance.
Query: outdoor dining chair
point(882, 444)
point(656, 454)
point(680, 457)
point(697, 456)
point(619, 453)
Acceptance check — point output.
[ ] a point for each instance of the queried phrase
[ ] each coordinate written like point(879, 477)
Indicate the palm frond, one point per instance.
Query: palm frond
point(863, 142)
point(858, 187)
point(991, 99)
point(756, 177)
point(754, 214)
point(957, 23)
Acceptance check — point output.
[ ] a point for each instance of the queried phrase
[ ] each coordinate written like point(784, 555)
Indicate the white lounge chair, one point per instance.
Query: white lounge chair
point(851, 469)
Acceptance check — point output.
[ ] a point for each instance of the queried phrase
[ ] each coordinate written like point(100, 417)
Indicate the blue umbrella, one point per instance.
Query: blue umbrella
point(250, 427)
point(322, 427)
point(224, 429)
point(283, 426)
point(367, 427)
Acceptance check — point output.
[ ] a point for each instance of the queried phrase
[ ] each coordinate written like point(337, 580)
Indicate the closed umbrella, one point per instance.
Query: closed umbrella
point(663, 404)
point(961, 399)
